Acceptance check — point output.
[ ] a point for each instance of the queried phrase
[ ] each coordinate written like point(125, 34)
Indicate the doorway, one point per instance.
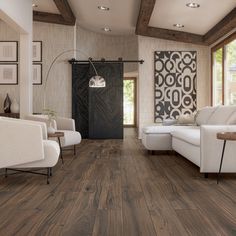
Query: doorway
point(129, 101)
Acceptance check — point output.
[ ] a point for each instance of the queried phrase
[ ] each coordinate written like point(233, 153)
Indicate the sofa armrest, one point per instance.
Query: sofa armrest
point(20, 143)
point(211, 149)
point(65, 123)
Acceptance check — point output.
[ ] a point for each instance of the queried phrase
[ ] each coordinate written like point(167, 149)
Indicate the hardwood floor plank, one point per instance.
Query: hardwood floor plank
point(113, 187)
point(194, 221)
point(108, 222)
point(136, 217)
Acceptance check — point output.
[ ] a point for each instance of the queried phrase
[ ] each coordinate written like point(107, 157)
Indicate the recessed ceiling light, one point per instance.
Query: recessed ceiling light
point(34, 5)
point(103, 8)
point(106, 29)
point(178, 25)
point(193, 5)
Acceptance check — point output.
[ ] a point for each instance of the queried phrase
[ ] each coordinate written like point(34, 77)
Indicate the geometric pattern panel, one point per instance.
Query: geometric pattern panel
point(175, 84)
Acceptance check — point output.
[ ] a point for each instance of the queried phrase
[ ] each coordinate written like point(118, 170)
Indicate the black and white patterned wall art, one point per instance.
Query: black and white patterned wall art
point(175, 84)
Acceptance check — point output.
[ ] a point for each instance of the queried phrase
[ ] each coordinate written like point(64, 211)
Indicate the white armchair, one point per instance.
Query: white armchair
point(24, 145)
point(65, 125)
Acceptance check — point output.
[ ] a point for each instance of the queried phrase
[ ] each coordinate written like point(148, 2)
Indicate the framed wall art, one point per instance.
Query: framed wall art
point(8, 74)
point(8, 51)
point(37, 74)
point(175, 84)
point(37, 51)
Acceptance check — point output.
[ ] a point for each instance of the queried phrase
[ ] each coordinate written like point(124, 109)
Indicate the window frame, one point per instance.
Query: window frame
point(222, 45)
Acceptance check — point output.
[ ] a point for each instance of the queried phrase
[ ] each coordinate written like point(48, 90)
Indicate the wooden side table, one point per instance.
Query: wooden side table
point(225, 136)
point(11, 115)
point(58, 135)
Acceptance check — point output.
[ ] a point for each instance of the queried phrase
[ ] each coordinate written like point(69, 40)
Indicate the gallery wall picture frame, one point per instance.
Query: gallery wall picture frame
point(37, 51)
point(8, 51)
point(37, 74)
point(8, 74)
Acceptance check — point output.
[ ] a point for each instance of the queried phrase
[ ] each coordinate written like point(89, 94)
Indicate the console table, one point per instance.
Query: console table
point(11, 115)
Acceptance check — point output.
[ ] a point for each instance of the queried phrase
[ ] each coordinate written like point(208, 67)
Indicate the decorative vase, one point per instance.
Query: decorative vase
point(15, 107)
point(7, 104)
point(51, 130)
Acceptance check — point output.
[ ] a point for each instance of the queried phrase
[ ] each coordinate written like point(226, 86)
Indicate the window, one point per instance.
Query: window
point(129, 101)
point(224, 72)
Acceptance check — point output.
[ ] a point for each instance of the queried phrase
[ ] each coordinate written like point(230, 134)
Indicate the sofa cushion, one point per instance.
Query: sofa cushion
point(159, 129)
point(232, 119)
point(191, 136)
point(204, 115)
point(221, 115)
point(186, 119)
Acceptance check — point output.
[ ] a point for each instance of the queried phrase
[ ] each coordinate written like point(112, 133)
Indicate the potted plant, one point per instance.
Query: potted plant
point(51, 117)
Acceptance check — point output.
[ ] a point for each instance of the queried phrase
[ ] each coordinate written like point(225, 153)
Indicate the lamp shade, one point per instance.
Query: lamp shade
point(97, 81)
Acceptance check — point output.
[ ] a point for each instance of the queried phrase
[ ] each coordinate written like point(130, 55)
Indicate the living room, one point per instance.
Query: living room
point(118, 117)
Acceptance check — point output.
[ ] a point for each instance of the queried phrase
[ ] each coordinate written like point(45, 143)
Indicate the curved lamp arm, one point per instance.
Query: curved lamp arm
point(54, 61)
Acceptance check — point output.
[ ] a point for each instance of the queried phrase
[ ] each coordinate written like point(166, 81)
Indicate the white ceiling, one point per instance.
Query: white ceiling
point(45, 6)
point(123, 14)
point(121, 17)
point(198, 20)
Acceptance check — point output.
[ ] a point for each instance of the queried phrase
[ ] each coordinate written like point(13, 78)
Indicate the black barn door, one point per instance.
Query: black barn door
point(102, 108)
point(80, 102)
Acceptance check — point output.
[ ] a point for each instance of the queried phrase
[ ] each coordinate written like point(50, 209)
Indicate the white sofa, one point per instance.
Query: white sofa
point(60, 124)
point(198, 143)
point(24, 145)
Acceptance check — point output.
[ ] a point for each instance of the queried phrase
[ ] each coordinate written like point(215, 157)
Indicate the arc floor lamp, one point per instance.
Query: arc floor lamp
point(95, 81)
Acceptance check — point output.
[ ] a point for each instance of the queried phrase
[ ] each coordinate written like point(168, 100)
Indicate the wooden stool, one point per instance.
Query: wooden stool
point(225, 136)
point(58, 135)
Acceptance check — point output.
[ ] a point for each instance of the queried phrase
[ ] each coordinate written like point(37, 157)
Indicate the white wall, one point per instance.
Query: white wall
point(7, 33)
point(18, 15)
point(55, 39)
point(110, 47)
point(147, 46)
point(58, 38)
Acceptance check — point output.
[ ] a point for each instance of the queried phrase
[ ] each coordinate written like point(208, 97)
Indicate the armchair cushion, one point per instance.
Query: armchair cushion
point(51, 155)
point(65, 123)
point(70, 138)
point(21, 142)
point(42, 118)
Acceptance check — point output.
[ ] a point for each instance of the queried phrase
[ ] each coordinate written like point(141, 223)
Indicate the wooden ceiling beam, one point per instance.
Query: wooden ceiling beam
point(66, 16)
point(142, 28)
point(227, 24)
point(49, 18)
point(65, 10)
point(145, 13)
point(173, 35)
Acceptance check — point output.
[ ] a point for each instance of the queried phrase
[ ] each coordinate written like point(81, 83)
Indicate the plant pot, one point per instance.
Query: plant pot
point(51, 130)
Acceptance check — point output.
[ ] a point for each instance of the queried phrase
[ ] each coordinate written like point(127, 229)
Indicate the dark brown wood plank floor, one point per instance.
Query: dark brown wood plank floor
point(115, 188)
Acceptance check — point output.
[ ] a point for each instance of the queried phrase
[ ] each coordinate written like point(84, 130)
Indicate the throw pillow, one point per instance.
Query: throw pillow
point(186, 119)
